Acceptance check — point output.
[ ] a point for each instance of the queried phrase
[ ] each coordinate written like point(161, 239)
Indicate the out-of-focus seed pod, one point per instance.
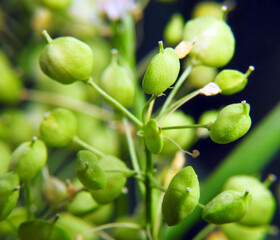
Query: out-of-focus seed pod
point(153, 136)
point(173, 32)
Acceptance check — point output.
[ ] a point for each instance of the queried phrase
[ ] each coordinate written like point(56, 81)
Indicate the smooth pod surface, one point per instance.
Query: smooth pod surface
point(181, 197)
point(153, 136)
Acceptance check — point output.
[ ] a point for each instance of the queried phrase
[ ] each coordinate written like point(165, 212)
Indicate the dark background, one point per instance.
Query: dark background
point(256, 26)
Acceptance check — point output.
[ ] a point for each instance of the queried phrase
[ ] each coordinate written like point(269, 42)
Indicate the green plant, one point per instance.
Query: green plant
point(101, 146)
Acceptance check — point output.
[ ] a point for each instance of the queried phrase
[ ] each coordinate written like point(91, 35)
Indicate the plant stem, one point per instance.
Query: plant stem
point(147, 104)
point(132, 153)
point(175, 89)
point(66, 102)
point(84, 145)
point(186, 126)
point(204, 232)
point(115, 103)
point(27, 199)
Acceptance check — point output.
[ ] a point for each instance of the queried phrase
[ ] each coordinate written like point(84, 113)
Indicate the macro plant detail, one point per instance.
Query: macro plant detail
point(112, 154)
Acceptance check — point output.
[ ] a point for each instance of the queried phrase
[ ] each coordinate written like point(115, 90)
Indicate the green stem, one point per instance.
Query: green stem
point(175, 89)
point(186, 126)
point(66, 102)
point(155, 183)
point(132, 153)
point(204, 232)
point(115, 103)
point(153, 97)
point(84, 145)
point(28, 199)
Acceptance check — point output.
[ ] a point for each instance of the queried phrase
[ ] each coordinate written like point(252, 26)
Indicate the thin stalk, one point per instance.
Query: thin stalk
point(28, 199)
point(115, 103)
point(175, 89)
point(147, 104)
point(186, 126)
point(132, 153)
point(204, 232)
point(84, 145)
point(66, 102)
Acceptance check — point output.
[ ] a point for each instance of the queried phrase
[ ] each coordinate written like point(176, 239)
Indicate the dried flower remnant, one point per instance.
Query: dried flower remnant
point(115, 9)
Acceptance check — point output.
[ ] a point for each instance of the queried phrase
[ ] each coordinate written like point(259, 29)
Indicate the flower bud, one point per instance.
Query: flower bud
point(233, 122)
point(90, 174)
point(9, 192)
point(117, 81)
point(229, 206)
point(162, 71)
point(115, 180)
point(153, 136)
point(58, 127)
point(181, 197)
point(214, 41)
point(232, 81)
point(29, 158)
point(263, 204)
point(66, 59)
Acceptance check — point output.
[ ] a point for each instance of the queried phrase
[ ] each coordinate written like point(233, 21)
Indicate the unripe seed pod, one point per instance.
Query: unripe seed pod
point(118, 82)
point(208, 8)
point(183, 137)
point(66, 59)
point(173, 32)
point(58, 127)
point(263, 204)
point(43, 230)
point(10, 84)
point(233, 122)
point(232, 81)
point(9, 192)
point(229, 206)
point(90, 174)
point(162, 71)
point(153, 136)
point(29, 158)
point(181, 197)
point(115, 180)
point(214, 41)
point(235, 230)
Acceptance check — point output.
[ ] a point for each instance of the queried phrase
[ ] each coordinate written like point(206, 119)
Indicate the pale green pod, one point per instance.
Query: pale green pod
point(28, 159)
point(66, 60)
point(116, 180)
point(9, 193)
point(173, 32)
point(58, 127)
point(208, 8)
point(200, 76)
point(232, 122)
point(153, 136)
point(263, 203)
point(214, 41)
point(181, 197)
point(162, 71)
point(5, 154)
point(90, 174)
point(228, 206)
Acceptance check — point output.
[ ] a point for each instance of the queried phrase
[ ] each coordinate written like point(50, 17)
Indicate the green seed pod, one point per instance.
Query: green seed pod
point(173, 32)
point(232, 81)
point(181, 197)
point(90, 174)
point(229, 206)
point(43, 230)
point(208, 8)
point(153, 136)
point(234, 231)
point(56, 4)
point(233, 122)
point(201, 75)
point(214, 41)
point(118, 82)
point(100, 215)
point(115, 180)
point(5, 154)
point(58, 127)
point(29, 158)
point(162, 71)
point(10, 84)
point(66, 59)
point(263, 204)
point(183, 137)
point(207, 117)
point(9, 192)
